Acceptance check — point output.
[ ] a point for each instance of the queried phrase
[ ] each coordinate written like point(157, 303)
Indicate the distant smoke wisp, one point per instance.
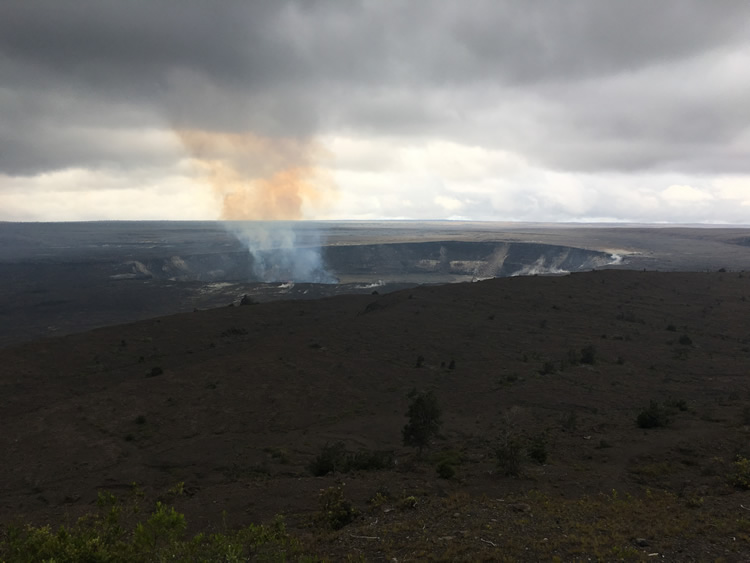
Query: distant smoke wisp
point(263, 186)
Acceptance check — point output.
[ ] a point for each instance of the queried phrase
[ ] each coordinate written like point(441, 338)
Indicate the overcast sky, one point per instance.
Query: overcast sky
point(575, 110)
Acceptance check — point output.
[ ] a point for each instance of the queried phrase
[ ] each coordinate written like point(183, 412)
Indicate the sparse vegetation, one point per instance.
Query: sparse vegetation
point(425, 420)
point(741, 476)
point(279, 454)
point(508, 454)
point(196, 426)
point(336, 458)
point(588, 355)
point(331, 458)
point(601, 527)
point(653, 416)
point(336, 511)
point(408, 503)
point(446, 462)
point(676, 404)
point(117, 533)
point(537, 448)
point(234, 331)
point(368, 460)
point(569, 421)
point(446, 470)
point(573, 357)
point(548, 368)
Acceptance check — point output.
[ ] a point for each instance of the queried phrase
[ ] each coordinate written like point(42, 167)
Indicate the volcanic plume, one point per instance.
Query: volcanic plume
point(263, 184)
point(261, 178)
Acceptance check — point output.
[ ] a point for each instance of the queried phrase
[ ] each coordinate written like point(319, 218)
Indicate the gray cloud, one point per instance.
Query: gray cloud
point(581, 85)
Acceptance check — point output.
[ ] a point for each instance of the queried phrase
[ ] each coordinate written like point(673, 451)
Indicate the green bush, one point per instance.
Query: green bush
point(677, 404)
point(652, 416)
point(112, 535)
point(588, 355)
point(330, 459)
point(508, 455)
point(685, 340)
point(537, 449)
point(367, 460)
point(569, 420)
point(741, 477)
point(425, 419)
point(335, 458)
point(573, 357)
point(548, 368)
point(445, 470)
point(336, 511)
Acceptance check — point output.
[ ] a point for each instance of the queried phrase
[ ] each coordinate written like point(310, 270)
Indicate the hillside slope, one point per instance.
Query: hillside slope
point(236, 403)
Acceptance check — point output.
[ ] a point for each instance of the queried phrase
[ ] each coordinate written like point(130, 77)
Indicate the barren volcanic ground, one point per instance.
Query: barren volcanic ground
point(228, 407)
point(62, 278)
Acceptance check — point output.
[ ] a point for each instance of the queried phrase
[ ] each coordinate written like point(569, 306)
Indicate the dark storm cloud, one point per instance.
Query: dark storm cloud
point(579, 85)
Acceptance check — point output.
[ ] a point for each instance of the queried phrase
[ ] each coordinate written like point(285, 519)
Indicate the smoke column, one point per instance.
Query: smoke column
point(264, 186)
point(279, 255)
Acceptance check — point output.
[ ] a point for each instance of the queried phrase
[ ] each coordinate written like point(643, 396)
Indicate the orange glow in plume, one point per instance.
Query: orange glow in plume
point(261, 179)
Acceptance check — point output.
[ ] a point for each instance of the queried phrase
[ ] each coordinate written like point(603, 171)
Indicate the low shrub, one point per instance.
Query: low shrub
point(446, 470)
point(336, 511)
point(234, 331)
point(119, 533)
point(741, 476)
point(408, 503)
point(509, 456)
point(588, 355)
point(569, 421)
point(335, 458)
point(330, 458)
point(677, 404)
point(685, 340)
point(548, 368)
point(537, 448)
point(652, 416)
point(425, 419)
point(368, 460)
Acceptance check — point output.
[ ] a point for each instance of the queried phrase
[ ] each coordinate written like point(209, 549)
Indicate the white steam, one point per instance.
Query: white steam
point(379, 283)
point(539, 268)
point(277, 253)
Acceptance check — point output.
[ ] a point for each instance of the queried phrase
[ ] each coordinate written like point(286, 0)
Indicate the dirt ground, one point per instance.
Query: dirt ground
point(235, 402)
